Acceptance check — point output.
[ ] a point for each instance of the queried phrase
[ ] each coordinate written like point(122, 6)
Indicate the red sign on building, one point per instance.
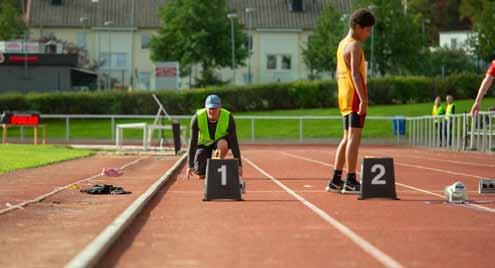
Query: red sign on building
point(166, 72)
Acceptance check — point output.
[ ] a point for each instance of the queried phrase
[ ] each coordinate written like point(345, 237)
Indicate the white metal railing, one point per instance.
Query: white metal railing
point(459, 132)
point(253, 119)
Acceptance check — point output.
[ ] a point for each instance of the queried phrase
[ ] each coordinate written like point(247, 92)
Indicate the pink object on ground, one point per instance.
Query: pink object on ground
point(111, 172)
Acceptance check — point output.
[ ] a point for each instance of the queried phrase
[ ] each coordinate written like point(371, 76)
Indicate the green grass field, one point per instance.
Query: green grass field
point(272, 129)
point(14, 156)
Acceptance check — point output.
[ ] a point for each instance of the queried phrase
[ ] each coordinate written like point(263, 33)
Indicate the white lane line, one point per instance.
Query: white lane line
point(358, 240)
point(399, 163)
point(444, 160)
point(58, 189)
point(488, 209)
point(438, 170)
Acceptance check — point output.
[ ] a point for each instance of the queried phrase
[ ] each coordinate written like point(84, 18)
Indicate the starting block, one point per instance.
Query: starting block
point(487, 186)
point(456, 193)
point(222, 180)
point(377, 178)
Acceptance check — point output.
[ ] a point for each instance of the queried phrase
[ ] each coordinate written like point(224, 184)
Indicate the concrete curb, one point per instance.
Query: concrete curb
point(92, 253)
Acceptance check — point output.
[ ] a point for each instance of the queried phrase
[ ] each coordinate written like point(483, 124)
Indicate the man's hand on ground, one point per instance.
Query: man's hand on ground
point(189, 172)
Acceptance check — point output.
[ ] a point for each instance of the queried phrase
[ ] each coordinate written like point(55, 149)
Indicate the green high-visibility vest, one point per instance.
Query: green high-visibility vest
point(437, 111)
point(220, 132)
point(450, 110)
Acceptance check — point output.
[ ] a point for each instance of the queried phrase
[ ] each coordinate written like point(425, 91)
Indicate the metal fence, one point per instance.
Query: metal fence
point(459, 132)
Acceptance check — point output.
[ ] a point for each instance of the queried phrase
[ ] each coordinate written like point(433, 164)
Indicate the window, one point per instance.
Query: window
point(286, 62)
point(117, 60)
point(144, 80)
point(56, 2)
point(82, 39)
point(120, 60)
point(279, 62)
point(453, 43)
point(105, 57)
point(271, 62)
point(145, 40)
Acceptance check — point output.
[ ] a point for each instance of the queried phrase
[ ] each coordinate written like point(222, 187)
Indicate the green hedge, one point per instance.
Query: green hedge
point(300, 94)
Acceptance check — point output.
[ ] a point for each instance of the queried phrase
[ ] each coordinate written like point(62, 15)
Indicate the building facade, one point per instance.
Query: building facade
point(119, 32)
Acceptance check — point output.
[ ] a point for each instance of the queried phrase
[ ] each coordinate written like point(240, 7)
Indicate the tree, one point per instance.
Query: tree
point(450, 61)
point(397, 38)
point(486, 32)
point(441, 15)
point(320, 54)
point(198, 32)
point(471, 9)
point(11, 24)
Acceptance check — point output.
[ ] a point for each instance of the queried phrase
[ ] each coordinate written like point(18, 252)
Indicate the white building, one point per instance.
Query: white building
point(120, 30)
point(456, 40)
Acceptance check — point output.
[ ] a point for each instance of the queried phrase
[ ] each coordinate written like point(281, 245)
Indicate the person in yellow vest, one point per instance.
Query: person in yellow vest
point(438, 110)
point(449, 111)
point(353, 100)
point(212, 129)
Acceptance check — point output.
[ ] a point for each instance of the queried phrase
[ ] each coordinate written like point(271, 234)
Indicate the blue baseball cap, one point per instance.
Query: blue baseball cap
point(212, 102)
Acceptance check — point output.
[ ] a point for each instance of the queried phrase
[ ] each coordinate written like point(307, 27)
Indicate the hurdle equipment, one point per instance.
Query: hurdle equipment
point(455, 193)
point(148, 129)
point(377, 178)
point(486, 186)
point(222, 180)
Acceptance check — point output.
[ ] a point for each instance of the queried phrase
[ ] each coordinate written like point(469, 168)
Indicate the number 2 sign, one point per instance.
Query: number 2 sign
point(377, 178)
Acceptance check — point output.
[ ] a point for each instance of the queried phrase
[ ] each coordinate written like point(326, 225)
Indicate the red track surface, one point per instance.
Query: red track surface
point(51, 232)
point(273, 229)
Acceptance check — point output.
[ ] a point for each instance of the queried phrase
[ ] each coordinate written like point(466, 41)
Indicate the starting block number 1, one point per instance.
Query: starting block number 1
point(223, 171)
point(377, 178)
point(222, 179)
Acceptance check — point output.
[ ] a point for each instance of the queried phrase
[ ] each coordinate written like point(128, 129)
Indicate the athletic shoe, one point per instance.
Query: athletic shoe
point(351, 187)
point(334, 186)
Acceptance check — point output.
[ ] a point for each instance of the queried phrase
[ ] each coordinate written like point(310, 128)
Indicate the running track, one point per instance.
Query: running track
point(287, 220)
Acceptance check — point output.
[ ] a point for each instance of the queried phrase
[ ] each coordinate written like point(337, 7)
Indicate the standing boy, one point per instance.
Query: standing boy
point(353, 99)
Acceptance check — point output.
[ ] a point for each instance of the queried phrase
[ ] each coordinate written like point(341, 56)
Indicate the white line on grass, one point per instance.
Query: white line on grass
point(361, 242)
point(400, 184)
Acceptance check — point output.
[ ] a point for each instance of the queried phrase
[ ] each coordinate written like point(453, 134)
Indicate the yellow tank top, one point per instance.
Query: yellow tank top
point(348, 98)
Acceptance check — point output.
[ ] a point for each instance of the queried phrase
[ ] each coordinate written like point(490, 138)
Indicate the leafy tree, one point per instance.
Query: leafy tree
point(440, 15)
point(11, 24)
point(486, 32)
point(397, 38)
point(450, 61)
point(471, 9)
point(198, 32)
point(320, 54)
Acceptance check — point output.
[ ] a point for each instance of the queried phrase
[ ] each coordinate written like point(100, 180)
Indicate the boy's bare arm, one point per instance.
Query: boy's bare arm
point(357, 77)
point(485, 85)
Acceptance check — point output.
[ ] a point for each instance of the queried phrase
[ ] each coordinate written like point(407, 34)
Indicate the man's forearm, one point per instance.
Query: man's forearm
point(485, 85)
point(193, 144)
point(358, 84)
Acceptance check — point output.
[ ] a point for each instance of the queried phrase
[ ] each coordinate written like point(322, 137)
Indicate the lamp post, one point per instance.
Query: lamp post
point(250, 12)
point(97, 48)
point(344, 19)
point(109, 80)
point(423, 30)
point(372, 57)
point(231, 17)
point(84, 21)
